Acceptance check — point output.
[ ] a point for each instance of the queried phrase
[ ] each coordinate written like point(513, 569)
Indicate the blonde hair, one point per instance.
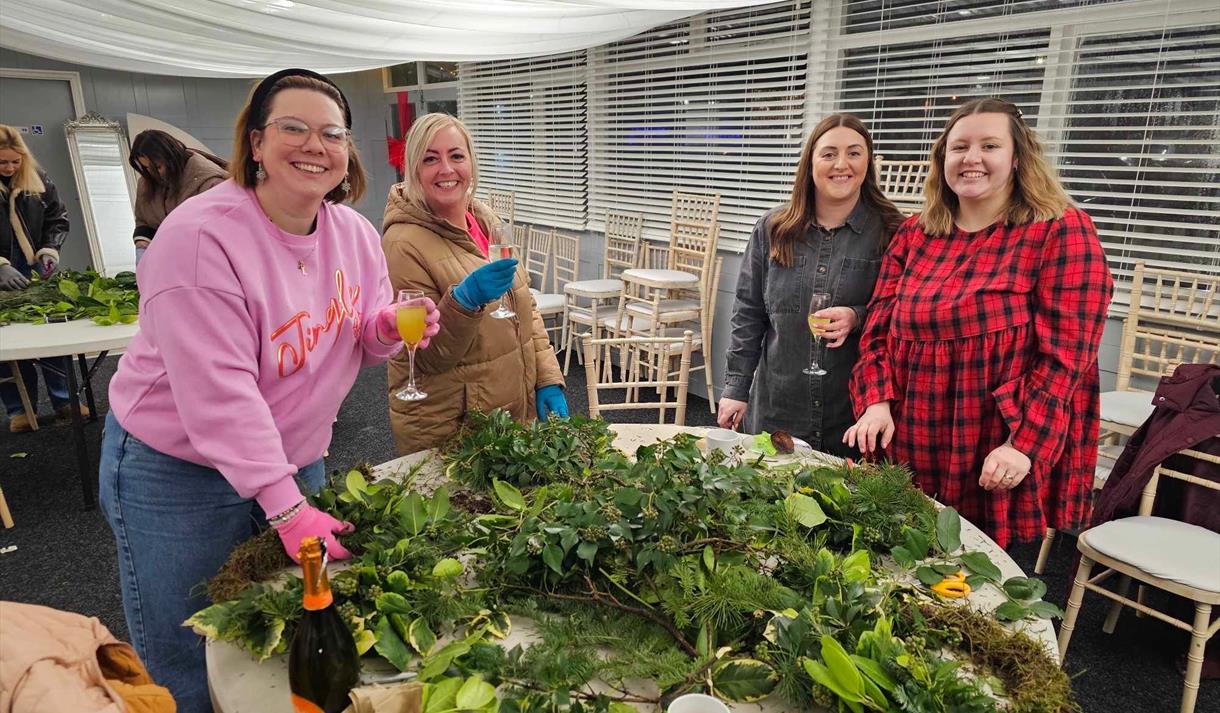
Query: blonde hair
point(418, 139)
point(243, 166)
point(26, 179)
point(1036, 191)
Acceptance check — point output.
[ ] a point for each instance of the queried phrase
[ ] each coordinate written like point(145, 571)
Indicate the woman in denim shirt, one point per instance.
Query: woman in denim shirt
point(828, 238)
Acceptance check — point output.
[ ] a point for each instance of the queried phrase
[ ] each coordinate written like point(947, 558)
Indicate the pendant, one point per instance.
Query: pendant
point(301, 267)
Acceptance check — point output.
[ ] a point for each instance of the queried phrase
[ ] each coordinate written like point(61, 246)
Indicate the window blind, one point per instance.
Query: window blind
point(528, 119)
point(712, 104)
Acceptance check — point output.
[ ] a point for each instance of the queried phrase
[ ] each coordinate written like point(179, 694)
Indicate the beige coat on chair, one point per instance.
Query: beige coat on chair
point(476, 361)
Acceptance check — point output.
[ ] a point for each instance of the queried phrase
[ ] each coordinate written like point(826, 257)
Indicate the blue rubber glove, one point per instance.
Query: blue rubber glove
point(486, 284)
point(550, 400)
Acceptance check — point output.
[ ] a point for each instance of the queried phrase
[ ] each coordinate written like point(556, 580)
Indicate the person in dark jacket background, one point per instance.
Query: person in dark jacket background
point(169, 174)
point(32, 229)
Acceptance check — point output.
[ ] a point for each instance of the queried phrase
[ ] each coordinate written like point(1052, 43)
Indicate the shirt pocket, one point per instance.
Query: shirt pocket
point(783, 290)
point(856, 280)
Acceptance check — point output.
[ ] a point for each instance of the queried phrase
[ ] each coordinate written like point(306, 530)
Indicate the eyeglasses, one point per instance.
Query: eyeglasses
point(296, 132)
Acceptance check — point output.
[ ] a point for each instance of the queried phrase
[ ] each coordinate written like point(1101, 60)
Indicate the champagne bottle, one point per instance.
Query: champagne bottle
point(322, 661)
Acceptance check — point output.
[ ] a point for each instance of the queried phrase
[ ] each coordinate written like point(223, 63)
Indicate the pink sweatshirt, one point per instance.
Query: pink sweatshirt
point(243, 358)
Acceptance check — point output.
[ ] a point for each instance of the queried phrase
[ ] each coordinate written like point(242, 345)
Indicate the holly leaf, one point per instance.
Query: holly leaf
point(744, 680)
point(949, 530)
point(509, 495)
point(390, 646)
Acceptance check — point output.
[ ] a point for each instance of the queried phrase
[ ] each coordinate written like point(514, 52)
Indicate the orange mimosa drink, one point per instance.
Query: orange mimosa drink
point(411, 325)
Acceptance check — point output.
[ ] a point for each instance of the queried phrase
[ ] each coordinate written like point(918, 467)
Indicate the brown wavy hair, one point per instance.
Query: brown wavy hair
point(243, 167)
point(789, 225)
point(1036, 191)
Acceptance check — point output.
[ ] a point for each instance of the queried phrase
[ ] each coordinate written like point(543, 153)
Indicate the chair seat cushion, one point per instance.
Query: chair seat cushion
point(661, 278)
point(549, 303)
point(1164, 548)
point(666, 307)
point(594, 288)
point(1129, 408)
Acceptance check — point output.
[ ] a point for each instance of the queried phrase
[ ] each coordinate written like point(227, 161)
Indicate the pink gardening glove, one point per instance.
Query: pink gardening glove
point(312, 522)
point(387, 325)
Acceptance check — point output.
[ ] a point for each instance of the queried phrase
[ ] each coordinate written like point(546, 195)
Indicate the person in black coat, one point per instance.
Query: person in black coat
point(33, 227)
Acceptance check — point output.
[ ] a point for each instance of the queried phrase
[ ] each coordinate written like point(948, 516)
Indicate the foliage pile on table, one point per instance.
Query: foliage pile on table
point(68, 295)
point(806, 584)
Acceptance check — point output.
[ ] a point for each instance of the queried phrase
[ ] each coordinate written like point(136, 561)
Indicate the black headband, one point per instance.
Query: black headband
point(259, 98)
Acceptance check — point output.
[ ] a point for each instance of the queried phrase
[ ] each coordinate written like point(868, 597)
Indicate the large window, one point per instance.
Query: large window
point(528, 121)
point(714, 104)
point(1124, 93)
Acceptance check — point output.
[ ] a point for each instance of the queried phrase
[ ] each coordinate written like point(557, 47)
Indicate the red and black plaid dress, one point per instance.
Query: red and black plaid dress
point(977, 338)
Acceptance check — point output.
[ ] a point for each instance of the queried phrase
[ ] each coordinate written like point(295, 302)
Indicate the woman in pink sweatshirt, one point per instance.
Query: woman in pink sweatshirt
point(259, 302)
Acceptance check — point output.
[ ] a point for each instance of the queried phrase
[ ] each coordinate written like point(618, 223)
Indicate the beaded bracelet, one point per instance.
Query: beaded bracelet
point(286, 515)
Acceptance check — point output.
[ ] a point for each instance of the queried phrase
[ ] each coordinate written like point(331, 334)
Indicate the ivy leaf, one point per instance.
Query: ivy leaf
point(390, 646)
point(421, 637)
point(981, 564)
point(587, 551)
point(949, 530)
point(1010, 611)
point(509, 495)
point(447, 568)
point(744, 680)
point(804, 510)
point(474, 694)
point(1045, 610)
point(413, 513)
point(928, 576)
point(553, 556)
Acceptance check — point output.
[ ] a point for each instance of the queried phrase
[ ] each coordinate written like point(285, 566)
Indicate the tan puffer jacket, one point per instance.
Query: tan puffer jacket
point(54, 661)
point(202, 171)
point(476, 361)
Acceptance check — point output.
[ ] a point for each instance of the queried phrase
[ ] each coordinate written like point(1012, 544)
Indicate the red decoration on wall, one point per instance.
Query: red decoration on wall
point(396, 147)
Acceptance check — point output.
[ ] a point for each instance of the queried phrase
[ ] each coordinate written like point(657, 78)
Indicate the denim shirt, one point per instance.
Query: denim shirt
point(771, 343)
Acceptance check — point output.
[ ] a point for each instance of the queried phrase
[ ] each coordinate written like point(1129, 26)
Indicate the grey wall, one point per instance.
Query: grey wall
point(207, 108)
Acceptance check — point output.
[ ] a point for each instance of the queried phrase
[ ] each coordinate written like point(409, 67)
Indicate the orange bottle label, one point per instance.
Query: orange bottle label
point(300, 705)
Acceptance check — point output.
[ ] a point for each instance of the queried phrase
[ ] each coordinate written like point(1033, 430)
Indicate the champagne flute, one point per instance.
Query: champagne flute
point(410, 318)
point(818, 302)
point(501, 248)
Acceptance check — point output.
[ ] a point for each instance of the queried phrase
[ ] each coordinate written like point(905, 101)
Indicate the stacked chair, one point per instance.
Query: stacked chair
point(564, 263)
point(1174, 319)
point(658, 303)
point(503, 204)
point(902, 182)
point(587, 302)
point(632, 351)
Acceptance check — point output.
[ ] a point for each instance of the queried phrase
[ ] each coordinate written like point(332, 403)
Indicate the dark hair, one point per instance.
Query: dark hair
point(789, 225)
point(1036, 195)
point(159, 148)
point(253, 117)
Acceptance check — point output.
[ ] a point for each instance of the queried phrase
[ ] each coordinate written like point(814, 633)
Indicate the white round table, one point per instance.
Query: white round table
point(240, 685)
point(79, 338)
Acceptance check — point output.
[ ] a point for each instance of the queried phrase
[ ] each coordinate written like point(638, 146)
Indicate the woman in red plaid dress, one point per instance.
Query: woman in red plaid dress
point(979, 355)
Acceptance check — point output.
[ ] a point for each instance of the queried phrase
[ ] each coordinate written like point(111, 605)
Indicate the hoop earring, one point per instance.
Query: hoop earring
point(346, 186)
point(260, 175)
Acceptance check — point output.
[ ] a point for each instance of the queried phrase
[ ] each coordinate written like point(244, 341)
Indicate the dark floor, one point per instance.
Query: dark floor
point(65, 556)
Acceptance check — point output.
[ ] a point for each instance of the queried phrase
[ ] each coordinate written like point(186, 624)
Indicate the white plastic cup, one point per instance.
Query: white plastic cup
point(723, 440)
point(697, 703)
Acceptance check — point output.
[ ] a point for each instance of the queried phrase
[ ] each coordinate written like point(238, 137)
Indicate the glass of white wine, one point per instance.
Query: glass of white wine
point(817, 303)
point(501, 248)
point(411, 319)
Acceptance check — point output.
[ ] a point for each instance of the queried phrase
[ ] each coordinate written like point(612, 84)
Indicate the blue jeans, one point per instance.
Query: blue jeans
point(57, 384)
point(174, 523)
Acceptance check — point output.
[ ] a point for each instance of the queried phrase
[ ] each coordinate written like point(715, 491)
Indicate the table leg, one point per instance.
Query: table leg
point(82, 452)
point(85, 375)
point(30, 412)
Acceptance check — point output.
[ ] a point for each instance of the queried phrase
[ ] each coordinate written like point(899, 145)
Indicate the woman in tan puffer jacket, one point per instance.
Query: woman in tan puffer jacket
point(435, 237)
